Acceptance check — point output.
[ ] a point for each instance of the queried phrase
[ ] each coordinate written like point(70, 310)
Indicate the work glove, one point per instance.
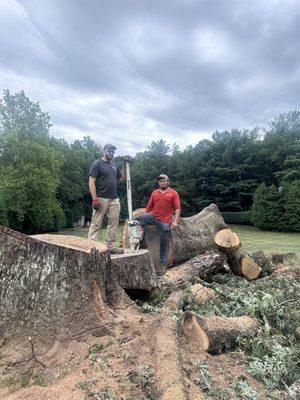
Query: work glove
point(96, 204)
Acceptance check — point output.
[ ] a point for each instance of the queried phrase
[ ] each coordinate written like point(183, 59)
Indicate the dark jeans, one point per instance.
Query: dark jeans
point(164, 233)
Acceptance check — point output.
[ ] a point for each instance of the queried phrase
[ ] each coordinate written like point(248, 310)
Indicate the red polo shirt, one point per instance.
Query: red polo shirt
point(163, 204)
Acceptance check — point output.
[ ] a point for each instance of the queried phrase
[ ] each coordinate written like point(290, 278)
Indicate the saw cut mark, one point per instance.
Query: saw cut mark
point(194, 332)
point(72, 242)
point(250, 268)
point(227, 239)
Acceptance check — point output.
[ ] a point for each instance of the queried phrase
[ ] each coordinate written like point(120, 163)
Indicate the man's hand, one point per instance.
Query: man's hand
point(96, 204)
point(174, 225)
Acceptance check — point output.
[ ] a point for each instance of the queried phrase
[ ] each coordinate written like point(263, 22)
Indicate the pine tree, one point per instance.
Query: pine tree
point(3, 213)
point(267, 209)
point(292, 207)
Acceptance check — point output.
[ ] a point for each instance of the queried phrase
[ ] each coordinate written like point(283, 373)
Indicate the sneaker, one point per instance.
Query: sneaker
point(116, 251)
point(160, 270)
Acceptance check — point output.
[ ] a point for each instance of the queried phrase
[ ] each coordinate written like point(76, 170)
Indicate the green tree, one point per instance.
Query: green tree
point(291, 217)
point(29, 166)
point(3, 213)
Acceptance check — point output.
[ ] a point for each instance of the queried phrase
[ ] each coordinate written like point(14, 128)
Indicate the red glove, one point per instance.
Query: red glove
point(96, 204)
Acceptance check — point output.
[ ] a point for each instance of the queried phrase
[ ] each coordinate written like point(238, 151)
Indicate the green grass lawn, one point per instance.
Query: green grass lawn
point(252, 239)
point(83, 232)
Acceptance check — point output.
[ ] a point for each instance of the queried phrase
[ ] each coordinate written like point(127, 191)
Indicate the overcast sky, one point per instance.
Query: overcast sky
point(133, 71)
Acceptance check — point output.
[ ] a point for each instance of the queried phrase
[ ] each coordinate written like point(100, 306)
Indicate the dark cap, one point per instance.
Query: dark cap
point(109, 146)
point(162, 176)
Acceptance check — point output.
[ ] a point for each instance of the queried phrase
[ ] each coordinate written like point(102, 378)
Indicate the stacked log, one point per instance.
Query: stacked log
point(241, 264)
point(215, 334)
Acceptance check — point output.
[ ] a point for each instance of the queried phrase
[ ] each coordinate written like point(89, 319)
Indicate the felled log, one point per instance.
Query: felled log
point(56, 288)
point(202, 293)
point(194, 235)
point(241, 264)
point(174, 301)
point(215, 334)
point(202, 266)
point(169, 381)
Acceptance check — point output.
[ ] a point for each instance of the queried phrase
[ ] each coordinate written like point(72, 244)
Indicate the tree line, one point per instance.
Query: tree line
point(43, 179)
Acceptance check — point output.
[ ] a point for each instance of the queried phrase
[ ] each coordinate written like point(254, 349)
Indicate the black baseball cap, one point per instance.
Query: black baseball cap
point(109, 146)
point(162, 176)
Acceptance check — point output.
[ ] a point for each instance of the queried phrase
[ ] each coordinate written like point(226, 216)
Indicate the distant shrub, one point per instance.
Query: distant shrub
point(275, 209)
point(237, 217)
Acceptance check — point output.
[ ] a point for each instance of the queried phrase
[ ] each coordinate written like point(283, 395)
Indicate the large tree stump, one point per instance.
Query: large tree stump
point(215, 334)
point(134, 270)
point(55, 288)
point(229, 242)
point(194, 235)
point(202, 266)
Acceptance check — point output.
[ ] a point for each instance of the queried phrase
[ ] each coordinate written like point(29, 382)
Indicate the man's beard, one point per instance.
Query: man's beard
point(164, 188)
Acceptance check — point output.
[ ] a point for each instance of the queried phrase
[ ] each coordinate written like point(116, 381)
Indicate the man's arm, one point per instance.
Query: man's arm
point(92, 187)
point(174, 224)
point(177, 207)
point(150, 204)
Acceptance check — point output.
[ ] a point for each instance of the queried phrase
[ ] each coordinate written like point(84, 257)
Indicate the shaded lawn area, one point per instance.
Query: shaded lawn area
point(252, 239)
point(83, 232)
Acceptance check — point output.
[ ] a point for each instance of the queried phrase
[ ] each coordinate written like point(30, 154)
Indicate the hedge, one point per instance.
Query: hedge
point(237, 217)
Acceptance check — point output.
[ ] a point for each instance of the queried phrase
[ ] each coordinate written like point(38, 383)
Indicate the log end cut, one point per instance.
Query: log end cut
point(226, 240)
point(249, 268)
point(195, 333)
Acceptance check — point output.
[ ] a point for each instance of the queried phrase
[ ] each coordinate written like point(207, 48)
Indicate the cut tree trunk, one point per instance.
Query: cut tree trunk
point(56, 288)
point(169, 381)
point(175, 301)
point(199, 267)
point(134, 270)
point(194, 235)
point(240, 263)
point(202, 293)
point(215, 334)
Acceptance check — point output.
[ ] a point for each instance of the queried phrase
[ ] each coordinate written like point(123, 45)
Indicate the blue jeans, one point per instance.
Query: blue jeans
point(164, 233)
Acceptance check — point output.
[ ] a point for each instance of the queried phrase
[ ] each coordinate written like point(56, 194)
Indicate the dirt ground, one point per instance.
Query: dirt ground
point(142, 357)
point(120, 366)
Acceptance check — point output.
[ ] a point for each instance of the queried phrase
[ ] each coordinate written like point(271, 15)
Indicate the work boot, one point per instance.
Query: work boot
point(160, 269)
point(116, 251)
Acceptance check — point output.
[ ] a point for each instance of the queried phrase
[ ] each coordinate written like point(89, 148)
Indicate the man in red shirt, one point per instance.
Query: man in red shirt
point(163, 203)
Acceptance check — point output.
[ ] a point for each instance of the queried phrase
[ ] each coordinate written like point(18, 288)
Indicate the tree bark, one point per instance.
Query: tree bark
point(202, 293)
point(240, 263)
point(216, 334)
point(200, 267)
point(174, 301)
point(134, 270)
point(50, 292)
point(194, 235)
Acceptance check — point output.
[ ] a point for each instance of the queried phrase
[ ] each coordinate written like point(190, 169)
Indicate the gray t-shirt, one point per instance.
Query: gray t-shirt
point(107, 175)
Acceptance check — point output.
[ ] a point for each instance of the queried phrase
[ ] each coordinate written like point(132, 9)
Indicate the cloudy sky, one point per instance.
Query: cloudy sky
point(133, 71)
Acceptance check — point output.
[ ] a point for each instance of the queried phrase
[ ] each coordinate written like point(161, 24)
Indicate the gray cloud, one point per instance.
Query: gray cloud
point(136, 71)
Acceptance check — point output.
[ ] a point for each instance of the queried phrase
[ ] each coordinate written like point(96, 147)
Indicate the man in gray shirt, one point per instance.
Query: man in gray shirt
point(104, 176)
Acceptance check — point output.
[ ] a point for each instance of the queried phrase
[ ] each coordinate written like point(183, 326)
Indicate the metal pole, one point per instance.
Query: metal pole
point(128, 188)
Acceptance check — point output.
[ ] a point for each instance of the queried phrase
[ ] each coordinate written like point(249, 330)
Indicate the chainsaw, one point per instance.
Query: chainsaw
point(134, 228)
